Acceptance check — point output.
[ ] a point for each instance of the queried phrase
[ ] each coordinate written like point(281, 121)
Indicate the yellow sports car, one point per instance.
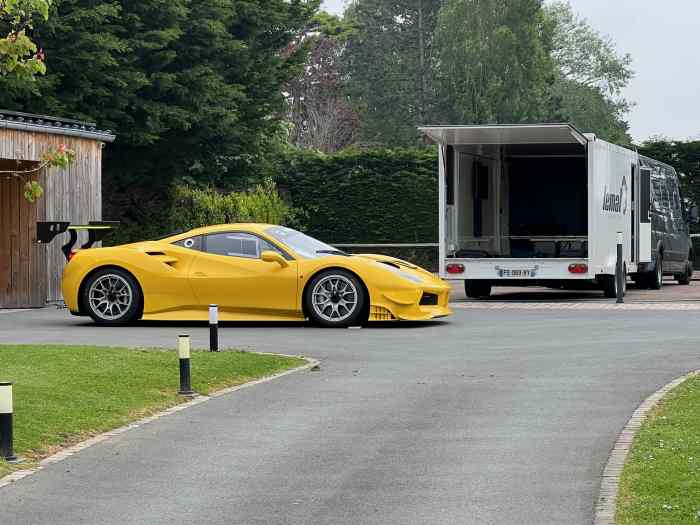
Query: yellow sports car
point(255, 272)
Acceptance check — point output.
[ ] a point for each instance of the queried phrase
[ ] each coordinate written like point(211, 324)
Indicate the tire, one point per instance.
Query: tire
point(112, 297)
point(609, 285)
point(641, 282)
point(335, 299)
point(656, 278)
point(685, 277)
point(477, 289)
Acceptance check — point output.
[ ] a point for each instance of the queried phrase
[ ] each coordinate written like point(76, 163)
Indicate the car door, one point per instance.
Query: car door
point(229, 272)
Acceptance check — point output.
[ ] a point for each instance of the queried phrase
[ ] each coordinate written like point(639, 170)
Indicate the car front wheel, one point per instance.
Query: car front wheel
point(112, 296)
point(335, 298)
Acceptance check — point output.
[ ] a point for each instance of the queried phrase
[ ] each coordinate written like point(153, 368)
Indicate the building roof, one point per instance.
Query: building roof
point(53, 125)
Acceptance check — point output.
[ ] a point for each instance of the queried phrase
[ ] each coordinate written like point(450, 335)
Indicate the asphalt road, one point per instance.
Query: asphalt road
point(671, 292)
point(491, 417)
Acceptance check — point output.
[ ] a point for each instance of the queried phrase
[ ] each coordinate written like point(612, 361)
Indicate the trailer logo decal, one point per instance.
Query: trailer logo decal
point(616, 202)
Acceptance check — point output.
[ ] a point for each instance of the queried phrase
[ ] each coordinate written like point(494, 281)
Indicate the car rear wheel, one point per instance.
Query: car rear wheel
point(112, 296)
point(335, 298)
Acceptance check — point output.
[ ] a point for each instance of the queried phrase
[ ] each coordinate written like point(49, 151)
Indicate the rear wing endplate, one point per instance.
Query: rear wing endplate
point(47, 231)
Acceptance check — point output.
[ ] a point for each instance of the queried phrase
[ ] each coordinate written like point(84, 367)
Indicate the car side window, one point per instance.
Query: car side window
point(192, 243)
point(233, 244)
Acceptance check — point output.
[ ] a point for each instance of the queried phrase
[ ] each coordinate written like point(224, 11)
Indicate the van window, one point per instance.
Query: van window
point(675, 196)
point(659, 190)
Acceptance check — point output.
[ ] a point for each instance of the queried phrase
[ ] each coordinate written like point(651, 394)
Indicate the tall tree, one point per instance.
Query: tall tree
point(390, 59)
point(20, 59)
point(319, 110)
point(494, 63)
point(591, 76)
point(192, 89)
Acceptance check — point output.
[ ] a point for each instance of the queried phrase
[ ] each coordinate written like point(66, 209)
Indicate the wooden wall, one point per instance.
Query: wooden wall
point(22, 262)
point(73, 194)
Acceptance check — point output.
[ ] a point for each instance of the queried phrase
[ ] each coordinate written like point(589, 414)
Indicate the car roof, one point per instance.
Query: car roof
point(253, 227)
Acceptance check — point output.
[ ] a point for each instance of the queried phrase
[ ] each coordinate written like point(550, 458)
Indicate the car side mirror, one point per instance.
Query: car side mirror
point(274, 257)
point(693, 214)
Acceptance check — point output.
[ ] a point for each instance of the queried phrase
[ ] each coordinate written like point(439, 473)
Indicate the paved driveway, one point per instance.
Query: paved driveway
point(491, 417)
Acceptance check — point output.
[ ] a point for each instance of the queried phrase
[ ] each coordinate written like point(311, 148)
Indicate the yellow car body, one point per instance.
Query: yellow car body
point(178, 283)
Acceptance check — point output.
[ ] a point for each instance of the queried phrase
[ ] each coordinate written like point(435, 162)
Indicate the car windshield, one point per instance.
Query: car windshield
point(302, 244)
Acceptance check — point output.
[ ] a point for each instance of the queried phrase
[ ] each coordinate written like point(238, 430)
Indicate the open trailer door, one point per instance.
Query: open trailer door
point(512, 192)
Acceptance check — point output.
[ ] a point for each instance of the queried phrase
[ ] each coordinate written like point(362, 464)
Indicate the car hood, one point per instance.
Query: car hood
point(400, 264)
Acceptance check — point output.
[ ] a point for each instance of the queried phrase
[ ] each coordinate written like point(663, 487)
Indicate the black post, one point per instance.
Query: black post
point(183, 350)
point(6, 438)
point(619, 271)
point(213, 328)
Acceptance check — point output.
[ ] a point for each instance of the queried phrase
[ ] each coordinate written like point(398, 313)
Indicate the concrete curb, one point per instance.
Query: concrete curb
point(610, 484)
point(196, 400)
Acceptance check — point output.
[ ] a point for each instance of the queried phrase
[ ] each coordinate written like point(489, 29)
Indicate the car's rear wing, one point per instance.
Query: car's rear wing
point(47, 231)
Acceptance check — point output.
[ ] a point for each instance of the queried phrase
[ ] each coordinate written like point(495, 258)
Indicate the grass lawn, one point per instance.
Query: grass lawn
point(661, 481)
point(64, 394)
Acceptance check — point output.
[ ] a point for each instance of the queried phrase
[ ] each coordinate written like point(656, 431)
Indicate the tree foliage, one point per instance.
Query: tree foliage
point(390, 58)
point(494, 63)
point(193, 90)
point(319, 110)
point(591, 75)
point(20, 59)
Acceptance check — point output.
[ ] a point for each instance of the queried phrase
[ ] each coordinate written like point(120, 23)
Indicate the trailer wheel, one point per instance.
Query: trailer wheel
point(477, 289)
point(609, 285)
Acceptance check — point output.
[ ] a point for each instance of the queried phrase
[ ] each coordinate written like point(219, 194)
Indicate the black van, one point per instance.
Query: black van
point(672, 249)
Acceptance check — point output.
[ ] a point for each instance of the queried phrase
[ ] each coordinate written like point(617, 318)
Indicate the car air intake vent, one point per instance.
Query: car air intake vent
point(155, 253)
point(392, 264)
point(429, 299)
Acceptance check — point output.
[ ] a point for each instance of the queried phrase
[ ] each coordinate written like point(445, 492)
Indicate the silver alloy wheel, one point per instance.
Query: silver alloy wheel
point(110, 297)
point(334, 298)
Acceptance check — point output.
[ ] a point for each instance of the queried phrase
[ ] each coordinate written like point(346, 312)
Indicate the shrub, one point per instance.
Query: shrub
point(192, 207)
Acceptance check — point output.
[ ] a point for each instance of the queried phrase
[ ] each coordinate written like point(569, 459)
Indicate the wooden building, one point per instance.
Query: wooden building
point(30, 273)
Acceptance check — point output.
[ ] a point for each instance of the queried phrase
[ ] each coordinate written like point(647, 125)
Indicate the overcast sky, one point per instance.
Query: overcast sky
point(663, 39)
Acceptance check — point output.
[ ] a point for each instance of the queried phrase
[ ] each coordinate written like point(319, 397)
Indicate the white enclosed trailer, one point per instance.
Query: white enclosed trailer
point(538, 204)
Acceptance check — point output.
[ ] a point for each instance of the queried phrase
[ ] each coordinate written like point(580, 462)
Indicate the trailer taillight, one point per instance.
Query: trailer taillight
point(455, 268)
point(578, 268)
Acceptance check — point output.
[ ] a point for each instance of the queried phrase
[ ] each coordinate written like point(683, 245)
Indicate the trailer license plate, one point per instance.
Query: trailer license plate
point(519, 273)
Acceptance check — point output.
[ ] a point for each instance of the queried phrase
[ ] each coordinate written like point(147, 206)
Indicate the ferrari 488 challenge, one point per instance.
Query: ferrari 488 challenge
point(253, 272)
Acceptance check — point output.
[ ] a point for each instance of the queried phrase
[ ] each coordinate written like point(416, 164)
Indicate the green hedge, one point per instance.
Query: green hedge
point(193, 207)
point(364, 196)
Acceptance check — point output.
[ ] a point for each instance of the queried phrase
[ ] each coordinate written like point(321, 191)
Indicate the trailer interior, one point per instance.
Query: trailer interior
point(524, 197)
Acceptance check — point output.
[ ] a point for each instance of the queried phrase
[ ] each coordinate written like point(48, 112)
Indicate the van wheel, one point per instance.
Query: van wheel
point(609, 285)
point(684, 278)
point(656, 278)
point(477, 289)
